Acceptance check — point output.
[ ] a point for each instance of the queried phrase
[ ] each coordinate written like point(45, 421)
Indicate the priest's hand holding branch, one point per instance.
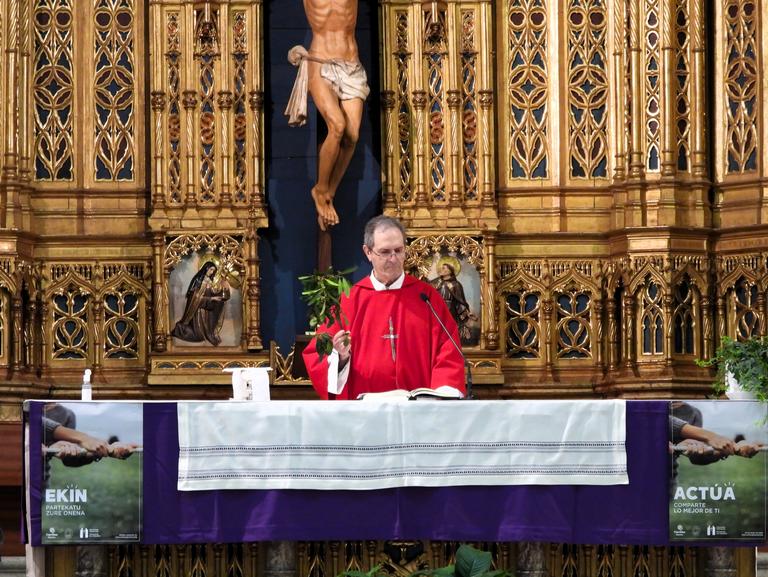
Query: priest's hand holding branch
point(343, 346)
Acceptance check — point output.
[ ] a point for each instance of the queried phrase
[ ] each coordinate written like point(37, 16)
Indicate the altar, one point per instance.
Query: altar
point(632, 513)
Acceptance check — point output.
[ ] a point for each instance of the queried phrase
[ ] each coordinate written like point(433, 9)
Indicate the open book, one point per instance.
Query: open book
point(403, 395)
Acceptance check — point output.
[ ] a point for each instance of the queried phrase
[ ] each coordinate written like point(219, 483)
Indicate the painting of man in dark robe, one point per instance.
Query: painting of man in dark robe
point(204, 310)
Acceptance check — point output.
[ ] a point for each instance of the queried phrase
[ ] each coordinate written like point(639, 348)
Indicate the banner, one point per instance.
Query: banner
point(92, 473)
point(718, 481)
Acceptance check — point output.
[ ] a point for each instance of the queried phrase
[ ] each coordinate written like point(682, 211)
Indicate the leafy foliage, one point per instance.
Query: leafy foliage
point(746, 360)
point(470, 562)
point(322, 292)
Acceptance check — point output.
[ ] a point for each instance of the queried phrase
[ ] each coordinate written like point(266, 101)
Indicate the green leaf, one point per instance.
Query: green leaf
point(322, 293)
point(471, 562)
point(448, 571)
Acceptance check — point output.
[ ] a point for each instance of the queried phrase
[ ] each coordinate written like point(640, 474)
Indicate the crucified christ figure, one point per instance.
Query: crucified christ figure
point(332, 73)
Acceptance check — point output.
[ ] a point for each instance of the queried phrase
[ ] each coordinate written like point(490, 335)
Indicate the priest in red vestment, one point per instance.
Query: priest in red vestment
point(390, 339)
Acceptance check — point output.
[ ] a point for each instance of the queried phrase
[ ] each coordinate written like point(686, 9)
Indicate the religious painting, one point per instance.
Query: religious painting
point(205, 302)
point(458, 282)
point(717, 485)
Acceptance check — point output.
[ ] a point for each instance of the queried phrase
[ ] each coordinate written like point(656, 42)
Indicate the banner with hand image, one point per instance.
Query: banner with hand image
point(719, 453)
point(92, 473)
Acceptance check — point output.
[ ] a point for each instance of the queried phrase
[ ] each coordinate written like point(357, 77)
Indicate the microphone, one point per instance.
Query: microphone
point(425, 298)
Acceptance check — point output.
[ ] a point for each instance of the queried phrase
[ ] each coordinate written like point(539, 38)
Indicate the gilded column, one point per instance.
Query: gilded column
point(668, 78)
point(636, 164)
point(388, 104)
point(547, 347)
point(760, 305)
point(698, 78)
point(98, 334)
point(189, 100)
point(628, 311)
point(225, 101)
point(24, 88)
point(226, 218)
point(597, 345)
point(667, 302)
point(159, 330)
point(721, 328)
point(706, 314)
point(422, 216)
point(16, 304)
point(485, 123)
point(31, 342)
point(44, 342)
point(613, 340)
point(10, 165)
point(488, 212)
point(157, 100)
point(491, 319)
point(253, 291)
point(619, 67)
point(456, 216)
point(256, 102)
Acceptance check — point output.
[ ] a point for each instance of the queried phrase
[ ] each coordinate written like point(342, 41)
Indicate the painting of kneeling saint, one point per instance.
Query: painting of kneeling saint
point(210, 313)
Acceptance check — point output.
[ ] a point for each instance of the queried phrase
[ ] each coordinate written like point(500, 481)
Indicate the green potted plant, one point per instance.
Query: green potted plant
point(322, 292)
point(470, 562)
point(742, 367)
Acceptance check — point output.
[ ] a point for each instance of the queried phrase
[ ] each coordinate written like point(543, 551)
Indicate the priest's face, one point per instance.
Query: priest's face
point(387, 254)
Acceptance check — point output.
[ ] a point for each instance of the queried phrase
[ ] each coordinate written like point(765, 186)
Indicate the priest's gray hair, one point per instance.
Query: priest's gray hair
point(381, 222)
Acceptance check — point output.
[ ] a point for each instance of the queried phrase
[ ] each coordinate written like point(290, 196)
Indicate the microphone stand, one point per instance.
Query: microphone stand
point(467, 366)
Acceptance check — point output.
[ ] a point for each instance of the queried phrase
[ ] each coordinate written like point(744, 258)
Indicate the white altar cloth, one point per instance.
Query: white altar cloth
point(357, 445)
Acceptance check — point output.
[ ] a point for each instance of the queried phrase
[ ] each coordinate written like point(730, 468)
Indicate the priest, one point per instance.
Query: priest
point(389, 339)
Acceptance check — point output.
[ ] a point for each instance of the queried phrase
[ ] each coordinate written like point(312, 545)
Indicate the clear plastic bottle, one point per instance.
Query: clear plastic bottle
point(86, 390)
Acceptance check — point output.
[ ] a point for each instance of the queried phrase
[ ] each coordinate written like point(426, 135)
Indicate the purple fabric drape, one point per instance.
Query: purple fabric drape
point(621, 514)
point(634, 513)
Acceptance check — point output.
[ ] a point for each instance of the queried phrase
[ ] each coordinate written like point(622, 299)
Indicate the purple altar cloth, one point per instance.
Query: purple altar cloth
point(620, 514)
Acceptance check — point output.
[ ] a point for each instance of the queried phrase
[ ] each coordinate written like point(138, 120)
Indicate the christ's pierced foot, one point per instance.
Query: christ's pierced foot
point(326, 214)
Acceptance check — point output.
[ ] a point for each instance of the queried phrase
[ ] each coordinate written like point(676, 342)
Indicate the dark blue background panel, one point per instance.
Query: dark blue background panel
point(288, 246)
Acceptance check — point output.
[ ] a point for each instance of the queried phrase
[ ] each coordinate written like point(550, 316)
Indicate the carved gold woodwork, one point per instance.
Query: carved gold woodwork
point(401, 558)
point(207, 164)
point(426, 252)
point(598, 104)
point(740, 157)
point(438, 124)
point(236, 262)
point(282, 366)
point(93, 315)
point(612, 321)
point(549, 133)
point(741, 295)
point(207, 116)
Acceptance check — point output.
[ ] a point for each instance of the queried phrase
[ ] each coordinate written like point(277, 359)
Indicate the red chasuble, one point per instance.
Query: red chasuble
point(424, 356)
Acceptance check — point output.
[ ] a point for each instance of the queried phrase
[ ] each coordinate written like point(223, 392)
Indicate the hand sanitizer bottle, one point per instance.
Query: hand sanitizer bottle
point(85, 391)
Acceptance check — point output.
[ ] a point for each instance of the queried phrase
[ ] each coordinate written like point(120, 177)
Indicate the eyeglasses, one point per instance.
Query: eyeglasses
point(388, 253)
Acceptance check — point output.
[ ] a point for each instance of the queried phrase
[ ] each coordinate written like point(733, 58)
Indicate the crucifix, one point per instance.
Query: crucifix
point(391, 336)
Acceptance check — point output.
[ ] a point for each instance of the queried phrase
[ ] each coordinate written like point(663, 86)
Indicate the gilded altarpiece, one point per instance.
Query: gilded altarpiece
point(207, 193)
point(458, 267)
point(567, 151)
point(437, 118)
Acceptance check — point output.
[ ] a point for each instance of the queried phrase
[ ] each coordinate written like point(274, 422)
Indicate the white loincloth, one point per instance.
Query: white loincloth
point(348, 80)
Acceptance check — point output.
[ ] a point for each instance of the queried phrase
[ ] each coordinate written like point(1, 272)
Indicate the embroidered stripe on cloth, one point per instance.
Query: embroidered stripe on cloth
point(355, 445)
